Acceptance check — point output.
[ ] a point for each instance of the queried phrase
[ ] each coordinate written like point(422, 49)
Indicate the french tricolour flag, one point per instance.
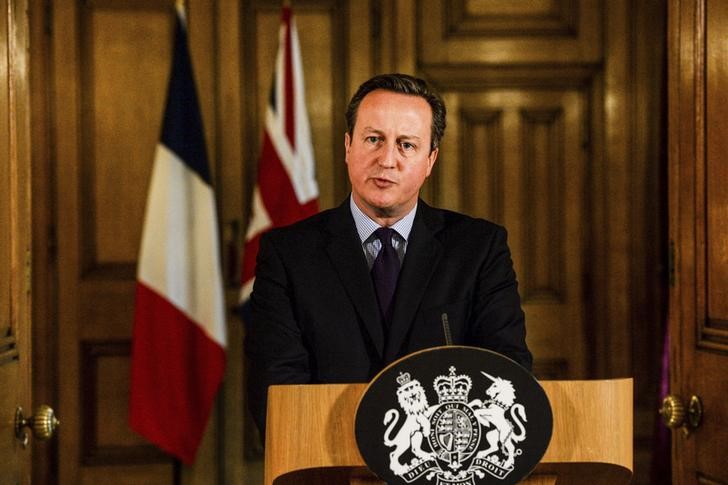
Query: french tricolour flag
point(286, 189)
point(178, 350)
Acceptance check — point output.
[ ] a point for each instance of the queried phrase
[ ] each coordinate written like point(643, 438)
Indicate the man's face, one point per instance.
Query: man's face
point(388, 155)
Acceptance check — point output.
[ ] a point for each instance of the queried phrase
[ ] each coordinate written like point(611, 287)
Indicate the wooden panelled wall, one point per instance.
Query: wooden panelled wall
point(15, 239)
point(554, 130)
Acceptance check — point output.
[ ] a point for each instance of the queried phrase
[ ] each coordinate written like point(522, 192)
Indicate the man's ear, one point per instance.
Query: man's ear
point(431, 158)
point(347, 145)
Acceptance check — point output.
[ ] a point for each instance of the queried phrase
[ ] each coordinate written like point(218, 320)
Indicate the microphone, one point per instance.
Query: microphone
point(446, 329)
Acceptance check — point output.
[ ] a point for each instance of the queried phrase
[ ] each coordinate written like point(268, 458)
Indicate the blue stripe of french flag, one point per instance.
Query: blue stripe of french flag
point(178, 349)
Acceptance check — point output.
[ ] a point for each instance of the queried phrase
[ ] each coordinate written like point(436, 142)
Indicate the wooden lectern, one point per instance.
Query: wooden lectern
point(310, 435)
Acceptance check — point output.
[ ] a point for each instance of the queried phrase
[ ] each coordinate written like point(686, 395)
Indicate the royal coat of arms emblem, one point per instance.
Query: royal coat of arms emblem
point(460, 427)
point(442, 437)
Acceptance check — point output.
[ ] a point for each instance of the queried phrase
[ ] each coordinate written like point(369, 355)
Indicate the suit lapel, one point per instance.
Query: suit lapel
point(344, 250)
point(423, 253)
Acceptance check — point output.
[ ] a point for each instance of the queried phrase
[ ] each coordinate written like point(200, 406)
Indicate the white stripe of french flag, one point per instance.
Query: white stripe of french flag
point(178, 349)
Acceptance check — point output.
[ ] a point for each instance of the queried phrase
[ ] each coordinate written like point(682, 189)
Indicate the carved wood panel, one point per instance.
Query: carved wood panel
point(118, 100)
point(519, 19)
point(714, 328)
point(698, 209)
point(518, 80)
point(516, 157)
point(491, 31)
point(107, 440)
point(15, 242)
point(111, 62)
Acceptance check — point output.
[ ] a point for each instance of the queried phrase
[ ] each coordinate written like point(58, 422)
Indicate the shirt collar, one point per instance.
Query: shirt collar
point(365, 226)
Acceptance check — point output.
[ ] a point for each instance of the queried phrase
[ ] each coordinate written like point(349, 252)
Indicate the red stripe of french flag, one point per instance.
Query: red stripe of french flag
point(286, 189)
point(178, 348)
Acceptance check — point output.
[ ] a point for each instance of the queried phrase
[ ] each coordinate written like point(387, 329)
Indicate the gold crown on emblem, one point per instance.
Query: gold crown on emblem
point(453, 388)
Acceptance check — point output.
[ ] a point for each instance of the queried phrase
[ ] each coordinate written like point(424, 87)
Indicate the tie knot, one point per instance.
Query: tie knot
point(384, 234)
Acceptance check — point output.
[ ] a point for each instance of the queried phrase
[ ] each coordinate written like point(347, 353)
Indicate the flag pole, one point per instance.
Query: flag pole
point(176, 471)
point(179, 6)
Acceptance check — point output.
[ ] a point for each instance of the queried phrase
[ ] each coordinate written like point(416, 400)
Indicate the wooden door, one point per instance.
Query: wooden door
point(698, 130)
point(520, 147)
point(15, 243)
point(108, 69)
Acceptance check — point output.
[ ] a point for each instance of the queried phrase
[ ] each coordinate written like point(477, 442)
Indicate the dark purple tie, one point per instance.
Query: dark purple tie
point(385, 272)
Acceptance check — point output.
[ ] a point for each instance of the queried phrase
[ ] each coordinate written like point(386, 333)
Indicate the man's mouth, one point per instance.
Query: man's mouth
point(383, 182)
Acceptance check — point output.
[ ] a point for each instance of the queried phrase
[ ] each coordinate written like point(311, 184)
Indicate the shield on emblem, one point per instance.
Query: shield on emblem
point(453, 415)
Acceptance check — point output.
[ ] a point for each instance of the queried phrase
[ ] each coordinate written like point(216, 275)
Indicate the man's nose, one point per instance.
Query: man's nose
point(388, 156)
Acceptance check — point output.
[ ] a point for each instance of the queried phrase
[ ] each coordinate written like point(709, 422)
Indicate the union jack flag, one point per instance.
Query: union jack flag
point(286, 189)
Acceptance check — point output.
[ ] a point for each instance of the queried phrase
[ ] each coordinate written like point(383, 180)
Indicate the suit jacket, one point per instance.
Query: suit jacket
point(314, 313)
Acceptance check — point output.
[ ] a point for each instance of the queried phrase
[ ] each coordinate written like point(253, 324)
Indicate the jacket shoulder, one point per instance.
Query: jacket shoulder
point(304, 235)
point(457, 222)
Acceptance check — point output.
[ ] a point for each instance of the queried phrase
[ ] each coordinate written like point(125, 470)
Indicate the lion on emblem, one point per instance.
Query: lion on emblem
point(416, 427)
point(493, 412)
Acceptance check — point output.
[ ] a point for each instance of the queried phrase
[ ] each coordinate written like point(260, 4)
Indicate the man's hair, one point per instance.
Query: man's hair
point(403, 84)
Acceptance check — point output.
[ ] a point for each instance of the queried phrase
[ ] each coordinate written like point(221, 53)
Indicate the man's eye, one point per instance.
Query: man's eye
point(372, 139)
point(407, 146)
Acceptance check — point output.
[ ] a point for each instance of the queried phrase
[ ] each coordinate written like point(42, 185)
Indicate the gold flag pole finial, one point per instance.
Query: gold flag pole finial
point(179, 6)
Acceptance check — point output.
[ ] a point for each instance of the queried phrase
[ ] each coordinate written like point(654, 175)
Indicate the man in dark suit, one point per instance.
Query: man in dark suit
point(322, 304)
